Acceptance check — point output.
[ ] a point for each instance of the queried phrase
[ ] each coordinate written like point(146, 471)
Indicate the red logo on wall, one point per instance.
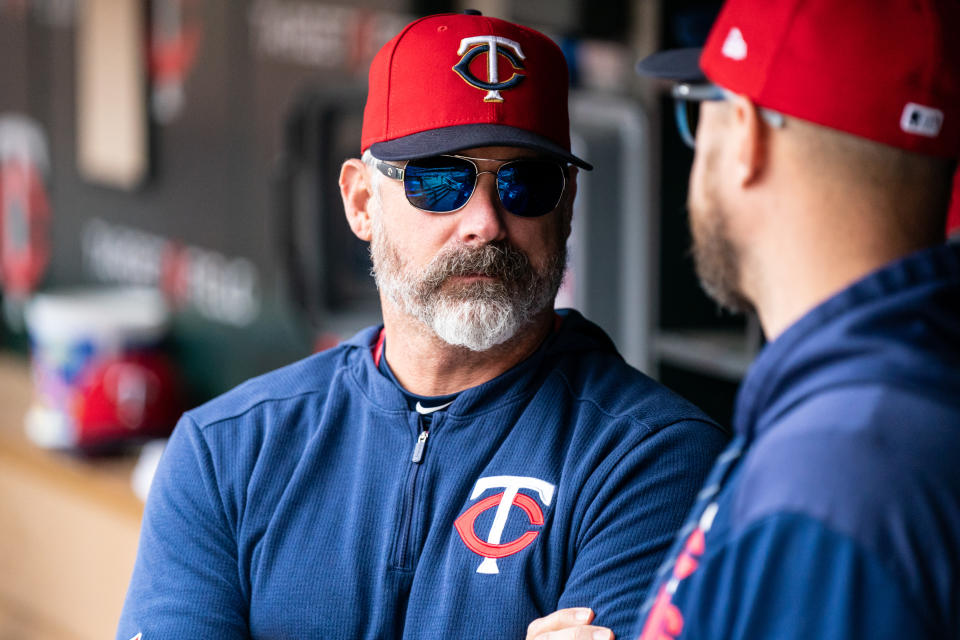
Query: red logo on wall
point(175, 37)
point(24, 206)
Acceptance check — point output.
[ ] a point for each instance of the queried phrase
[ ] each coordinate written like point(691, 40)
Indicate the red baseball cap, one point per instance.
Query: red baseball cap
point(453, 81)
point(885, 70)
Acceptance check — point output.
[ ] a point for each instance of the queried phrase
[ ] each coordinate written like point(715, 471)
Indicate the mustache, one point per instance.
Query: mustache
point(495, 260)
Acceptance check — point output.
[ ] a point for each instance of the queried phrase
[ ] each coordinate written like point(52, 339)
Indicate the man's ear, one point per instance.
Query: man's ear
point(355, 190)
point(750, 138)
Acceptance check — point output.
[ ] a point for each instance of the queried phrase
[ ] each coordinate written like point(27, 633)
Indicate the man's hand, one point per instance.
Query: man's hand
point(567, 624)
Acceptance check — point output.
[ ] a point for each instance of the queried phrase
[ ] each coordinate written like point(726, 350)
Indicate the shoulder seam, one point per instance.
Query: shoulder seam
point(201, 426)
point(645, 425)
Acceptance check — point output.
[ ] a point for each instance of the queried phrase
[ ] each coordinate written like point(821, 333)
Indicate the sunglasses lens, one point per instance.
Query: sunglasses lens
point(530, 188)
point(440, 184)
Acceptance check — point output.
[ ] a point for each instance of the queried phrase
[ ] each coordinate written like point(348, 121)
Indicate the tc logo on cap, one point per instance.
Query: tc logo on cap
point(493, 46)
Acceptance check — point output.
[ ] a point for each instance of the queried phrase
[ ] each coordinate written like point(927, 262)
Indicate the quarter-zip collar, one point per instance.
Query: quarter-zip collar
point(423, 405)
point(574, 334)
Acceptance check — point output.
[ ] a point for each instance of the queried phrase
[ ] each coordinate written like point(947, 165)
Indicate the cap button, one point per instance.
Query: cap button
point(472, 12)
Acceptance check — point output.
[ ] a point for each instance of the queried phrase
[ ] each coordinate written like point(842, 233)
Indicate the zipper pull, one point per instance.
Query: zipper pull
point(420, 447)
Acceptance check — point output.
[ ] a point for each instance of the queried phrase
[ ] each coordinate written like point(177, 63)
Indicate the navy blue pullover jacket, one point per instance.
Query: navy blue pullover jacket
point(835, 512)
point(293, 507)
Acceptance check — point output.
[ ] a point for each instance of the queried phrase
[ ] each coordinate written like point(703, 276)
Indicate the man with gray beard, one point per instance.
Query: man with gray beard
point(474, 463)
point(476, 315)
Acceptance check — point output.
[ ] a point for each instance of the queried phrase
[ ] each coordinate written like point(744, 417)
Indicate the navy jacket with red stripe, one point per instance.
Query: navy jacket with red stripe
point(307, 503)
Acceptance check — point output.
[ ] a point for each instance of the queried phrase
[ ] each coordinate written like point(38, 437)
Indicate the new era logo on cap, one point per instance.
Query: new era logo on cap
point(734, 47)
point(921, 120)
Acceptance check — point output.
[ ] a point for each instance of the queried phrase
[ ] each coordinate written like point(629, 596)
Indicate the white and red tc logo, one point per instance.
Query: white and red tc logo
point(492, 548)
point(494, 47)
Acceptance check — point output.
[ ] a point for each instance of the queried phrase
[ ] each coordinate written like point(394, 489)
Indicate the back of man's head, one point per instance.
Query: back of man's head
point(832, 145)
point(905, 191)
point(877, 81)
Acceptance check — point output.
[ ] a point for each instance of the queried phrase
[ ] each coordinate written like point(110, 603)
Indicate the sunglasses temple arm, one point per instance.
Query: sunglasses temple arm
point(683, 123)
point(391, 171)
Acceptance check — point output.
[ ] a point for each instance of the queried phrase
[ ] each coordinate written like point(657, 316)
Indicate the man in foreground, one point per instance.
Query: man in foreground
point(476, 462)
point(828, 134)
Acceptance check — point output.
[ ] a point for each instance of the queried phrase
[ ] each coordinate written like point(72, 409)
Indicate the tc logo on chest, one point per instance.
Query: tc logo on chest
point(492, 548)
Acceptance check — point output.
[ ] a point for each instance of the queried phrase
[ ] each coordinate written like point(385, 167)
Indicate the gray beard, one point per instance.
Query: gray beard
point(478, 315)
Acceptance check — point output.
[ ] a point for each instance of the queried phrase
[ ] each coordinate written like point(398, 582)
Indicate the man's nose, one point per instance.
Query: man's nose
point(481, 219)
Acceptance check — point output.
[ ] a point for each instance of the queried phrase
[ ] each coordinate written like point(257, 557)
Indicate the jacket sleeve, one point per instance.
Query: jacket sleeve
point(186, 582)
point(632, 518)
point(788, 577)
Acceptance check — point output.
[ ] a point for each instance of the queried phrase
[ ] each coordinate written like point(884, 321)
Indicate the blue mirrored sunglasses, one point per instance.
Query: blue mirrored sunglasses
point(527, 187)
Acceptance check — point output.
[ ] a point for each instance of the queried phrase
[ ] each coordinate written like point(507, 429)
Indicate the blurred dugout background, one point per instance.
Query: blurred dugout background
point(194, 145)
